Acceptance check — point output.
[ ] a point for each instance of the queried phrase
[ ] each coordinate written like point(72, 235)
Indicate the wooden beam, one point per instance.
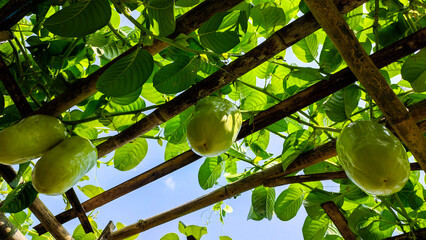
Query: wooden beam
point(8, 231)
point(333, 23)
point(79, 210)
point(5, 35)
point(308, 96)
point(420, 234)
point(334, 213)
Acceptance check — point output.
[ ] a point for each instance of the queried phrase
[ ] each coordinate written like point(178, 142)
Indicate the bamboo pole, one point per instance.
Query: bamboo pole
point(308, 96)
point(318, 176)
point(334, 213)
point(107, 231)
point(8, 231)
point(420, 234)
point(79, 210)
point(185, 24)
point(333, 23)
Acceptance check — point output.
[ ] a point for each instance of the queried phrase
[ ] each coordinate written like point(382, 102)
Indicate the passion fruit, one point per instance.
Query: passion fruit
point(214, 126)
point(373, 158)
point(30, 138)
point(63, 166)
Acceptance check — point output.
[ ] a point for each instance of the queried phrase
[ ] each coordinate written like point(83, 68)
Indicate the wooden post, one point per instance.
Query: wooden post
point(8, 231)
point(107, 231)
point(338, 219)
point(79, 210)
point(333, 23)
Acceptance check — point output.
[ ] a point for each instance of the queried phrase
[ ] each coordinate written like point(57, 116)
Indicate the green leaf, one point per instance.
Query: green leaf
point(173, 150)
point(121, 225)
point(91, 190)
point(170, 236)
point(216, 34)
point(177, 76)
point(360, 214)
point(307, 74)
point(129, 98)
point(315, 229)
point(340, 105)
point(210, 171)
point(162, 17)
point(224, 238)
point(295, 144)
point(269, 16)
point(263, 199)
point(19, 198)
point(187, 3)
point(306, 50)
point(175, 129)
point(79, 19)
point(317, 197)
point(288, 203)
point(192, 230)
point(414, 71)
point(330, 58)
point(279, 126)
point(127, 74)
point(352, 191)
point(22, 168)
point(130, 155)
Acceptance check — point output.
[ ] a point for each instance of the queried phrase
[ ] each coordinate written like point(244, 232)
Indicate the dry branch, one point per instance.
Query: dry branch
point(304, 160)
point(333, 23)
point(13, 11)
point(185, 24)
point(338, 219)
point(8, 231)
point(316, 92)
point(79, 210)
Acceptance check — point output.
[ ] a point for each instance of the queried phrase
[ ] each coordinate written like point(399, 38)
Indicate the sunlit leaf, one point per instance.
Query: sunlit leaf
point(162, 17)
point(130, 155)
point(288, 203)
point(210, 171)
point(19, 198)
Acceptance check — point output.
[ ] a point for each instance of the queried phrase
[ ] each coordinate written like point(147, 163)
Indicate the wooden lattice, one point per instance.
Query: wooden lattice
point(409, 125)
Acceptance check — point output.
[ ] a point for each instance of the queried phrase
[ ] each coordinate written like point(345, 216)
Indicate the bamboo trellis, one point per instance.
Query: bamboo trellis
point(403, 121)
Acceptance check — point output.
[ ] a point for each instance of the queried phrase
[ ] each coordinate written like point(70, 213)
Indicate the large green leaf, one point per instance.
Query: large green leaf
point(316, 197)
point(175, 129)
point(91, 190)
point(306, 50)
point(295, 144)
point(130, 155)
point(340, 105)
point(210, 171)
point(127, 74)
point(315, 229)
point(170, 236)
point(269, 17)
point(22, 168)
point(414, 71)
point(162, 17)
point(192, 230)
point(216, 33)
point(330, 58)
point(173, 150)
point(19, 198)
point(177, 76)
point(79, 19)
point(263, 199)
point(288, 203)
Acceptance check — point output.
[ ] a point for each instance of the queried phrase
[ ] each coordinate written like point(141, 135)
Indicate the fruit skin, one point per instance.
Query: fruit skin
point(373, 158)
point(64, 165)
point(30, 138)
point(214, 126)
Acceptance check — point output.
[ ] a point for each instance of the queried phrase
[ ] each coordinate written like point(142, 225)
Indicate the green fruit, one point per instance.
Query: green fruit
point(64, 165)
point(214, 126)
point(30, 138)
point(373, 158)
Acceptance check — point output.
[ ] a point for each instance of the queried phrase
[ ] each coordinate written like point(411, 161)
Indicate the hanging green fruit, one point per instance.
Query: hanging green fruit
point(30, 138)
point(373, 158)
point(64, 165)
point(214, 126)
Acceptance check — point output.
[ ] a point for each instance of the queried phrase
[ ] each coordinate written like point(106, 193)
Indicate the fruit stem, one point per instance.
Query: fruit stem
point(412, 223)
